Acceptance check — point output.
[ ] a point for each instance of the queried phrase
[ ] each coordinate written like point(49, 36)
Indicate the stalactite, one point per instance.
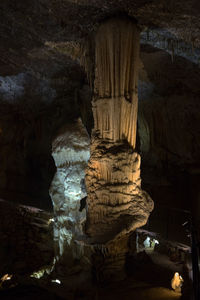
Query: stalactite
point(116, 74)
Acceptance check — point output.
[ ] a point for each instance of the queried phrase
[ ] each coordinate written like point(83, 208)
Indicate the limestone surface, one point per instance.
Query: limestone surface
point(70, 150)
point(116, 203)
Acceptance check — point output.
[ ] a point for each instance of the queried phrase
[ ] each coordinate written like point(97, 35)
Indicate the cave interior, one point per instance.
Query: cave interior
point(100, 149)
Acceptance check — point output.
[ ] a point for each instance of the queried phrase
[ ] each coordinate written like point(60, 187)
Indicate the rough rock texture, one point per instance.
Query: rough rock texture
point(116, 203)
point(113, 173)
point(28, 27)
point(70, 150)
point(26, 239)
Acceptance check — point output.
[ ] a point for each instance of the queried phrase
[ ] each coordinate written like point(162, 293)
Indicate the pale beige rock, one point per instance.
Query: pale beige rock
point(116, 75)
point(116, 203)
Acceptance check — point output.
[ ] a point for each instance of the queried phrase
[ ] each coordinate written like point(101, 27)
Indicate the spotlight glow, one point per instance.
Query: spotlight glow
point(177, 282)
point(56, 281)
point(6, 277)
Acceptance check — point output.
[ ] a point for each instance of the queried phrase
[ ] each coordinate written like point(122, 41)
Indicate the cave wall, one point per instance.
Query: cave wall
point(26, 159)
point(31, 112)
point(169, 131)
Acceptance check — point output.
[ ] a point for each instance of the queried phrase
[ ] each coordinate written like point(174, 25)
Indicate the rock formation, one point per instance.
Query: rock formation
point(116, 203)
point(70, 150)
point(43, 86)
point(116, 75)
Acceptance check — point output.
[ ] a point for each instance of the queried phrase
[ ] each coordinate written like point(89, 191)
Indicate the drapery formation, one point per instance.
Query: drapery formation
point(116, 203)
point(116, 75)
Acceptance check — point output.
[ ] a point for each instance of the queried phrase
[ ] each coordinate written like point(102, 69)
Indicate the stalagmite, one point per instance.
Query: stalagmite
point(70, 150)
point(116, 203)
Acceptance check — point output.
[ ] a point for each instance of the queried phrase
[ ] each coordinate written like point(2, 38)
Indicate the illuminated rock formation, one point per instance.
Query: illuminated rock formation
point(116, 203)
point(115, 101)
point(70, 150)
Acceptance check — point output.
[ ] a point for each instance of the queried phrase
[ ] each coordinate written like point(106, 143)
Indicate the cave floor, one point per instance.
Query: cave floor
point(132, 290)
point(141, 292)
point(149, 279)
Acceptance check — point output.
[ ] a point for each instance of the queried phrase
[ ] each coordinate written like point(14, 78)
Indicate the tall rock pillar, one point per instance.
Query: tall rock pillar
point(116, 205)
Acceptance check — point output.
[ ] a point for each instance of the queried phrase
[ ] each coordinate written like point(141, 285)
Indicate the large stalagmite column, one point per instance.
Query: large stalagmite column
point(116, 203)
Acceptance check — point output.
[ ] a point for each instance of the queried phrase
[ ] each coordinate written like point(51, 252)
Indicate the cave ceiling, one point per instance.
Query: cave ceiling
point(31, 31)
